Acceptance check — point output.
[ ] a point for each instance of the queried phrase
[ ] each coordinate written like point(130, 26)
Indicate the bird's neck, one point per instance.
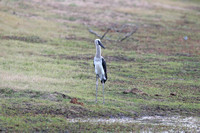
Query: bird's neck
point(98, 51)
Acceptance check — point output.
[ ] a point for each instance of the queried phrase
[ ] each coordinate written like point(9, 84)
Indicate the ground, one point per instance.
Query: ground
point(46, 59)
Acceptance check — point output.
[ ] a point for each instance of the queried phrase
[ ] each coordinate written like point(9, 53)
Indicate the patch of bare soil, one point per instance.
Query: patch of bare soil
point(54, 96)
point(74, 37)
point(56, 107)
point(135, 91)
point(53, 109)
point(67, 57)
point(119, 58)
point(53, 104)
point(163, 110)
point(79, 12)
point(196, 8)
point(32, 39)
point(75, 101)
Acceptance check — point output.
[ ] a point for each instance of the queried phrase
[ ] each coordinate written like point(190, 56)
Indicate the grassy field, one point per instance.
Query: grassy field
point(46, 58)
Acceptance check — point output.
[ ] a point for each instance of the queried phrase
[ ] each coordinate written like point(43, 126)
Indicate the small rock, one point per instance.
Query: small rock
point(126, 91)
point(185, 38)
point(172, 94)
point(158, 95)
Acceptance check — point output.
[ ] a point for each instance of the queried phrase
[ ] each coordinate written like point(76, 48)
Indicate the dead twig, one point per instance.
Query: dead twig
point(93, 32)
point(105, 33)
point(101, 37)
point(123, 27)
point(128, 34)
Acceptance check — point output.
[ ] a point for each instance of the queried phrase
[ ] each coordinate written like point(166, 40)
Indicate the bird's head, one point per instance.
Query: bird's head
point(98, 42)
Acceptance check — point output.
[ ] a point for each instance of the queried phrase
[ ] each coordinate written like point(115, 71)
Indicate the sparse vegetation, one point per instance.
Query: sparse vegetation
point(46, 58)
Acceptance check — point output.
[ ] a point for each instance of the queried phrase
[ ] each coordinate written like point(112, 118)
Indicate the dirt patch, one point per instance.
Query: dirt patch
point(190, 99)
point(163, 110)
point(196, 8)
point(67, 57)
point(135, 91)
point(54, 96)
point(31, 39)
point(6, 92)
point(32, 102)
point(75, 101)
point(74, 37)
point(52, 109)
point(119, 58)
point(33, 106)
point(56, 107)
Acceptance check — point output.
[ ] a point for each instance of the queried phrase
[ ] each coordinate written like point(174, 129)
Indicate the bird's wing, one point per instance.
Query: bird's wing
point(104, 67)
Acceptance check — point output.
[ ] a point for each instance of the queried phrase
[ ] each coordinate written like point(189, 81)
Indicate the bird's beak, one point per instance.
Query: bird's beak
point(101, 44)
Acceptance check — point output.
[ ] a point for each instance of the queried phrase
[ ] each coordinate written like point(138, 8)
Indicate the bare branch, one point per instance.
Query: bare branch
point(123, 27)
point(105, 33)
point(101, 37)
point(128, 35)
point(93, 32)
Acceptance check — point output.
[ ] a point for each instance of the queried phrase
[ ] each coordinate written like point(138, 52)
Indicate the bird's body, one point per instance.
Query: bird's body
point(100, 67)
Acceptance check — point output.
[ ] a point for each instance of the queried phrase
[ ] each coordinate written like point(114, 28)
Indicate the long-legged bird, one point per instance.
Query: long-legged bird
point(100, 67)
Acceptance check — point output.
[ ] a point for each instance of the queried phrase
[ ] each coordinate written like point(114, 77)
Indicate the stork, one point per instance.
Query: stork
point(100, 67)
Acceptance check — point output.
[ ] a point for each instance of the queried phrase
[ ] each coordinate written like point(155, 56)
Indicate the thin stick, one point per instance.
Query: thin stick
point(129, 34)
point(101, 37)
point(105, 33)
point(93, 32)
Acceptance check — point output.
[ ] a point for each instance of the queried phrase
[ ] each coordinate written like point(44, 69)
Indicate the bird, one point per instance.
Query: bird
point(100, 67)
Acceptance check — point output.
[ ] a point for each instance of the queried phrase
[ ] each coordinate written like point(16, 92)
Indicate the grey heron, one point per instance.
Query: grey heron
point(100, 67)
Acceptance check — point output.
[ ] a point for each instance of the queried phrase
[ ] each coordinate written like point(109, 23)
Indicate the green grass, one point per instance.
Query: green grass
point(46, 58)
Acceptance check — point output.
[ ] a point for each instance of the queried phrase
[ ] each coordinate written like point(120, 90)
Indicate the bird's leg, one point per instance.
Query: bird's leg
point(96, 87)
point(103, 93)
